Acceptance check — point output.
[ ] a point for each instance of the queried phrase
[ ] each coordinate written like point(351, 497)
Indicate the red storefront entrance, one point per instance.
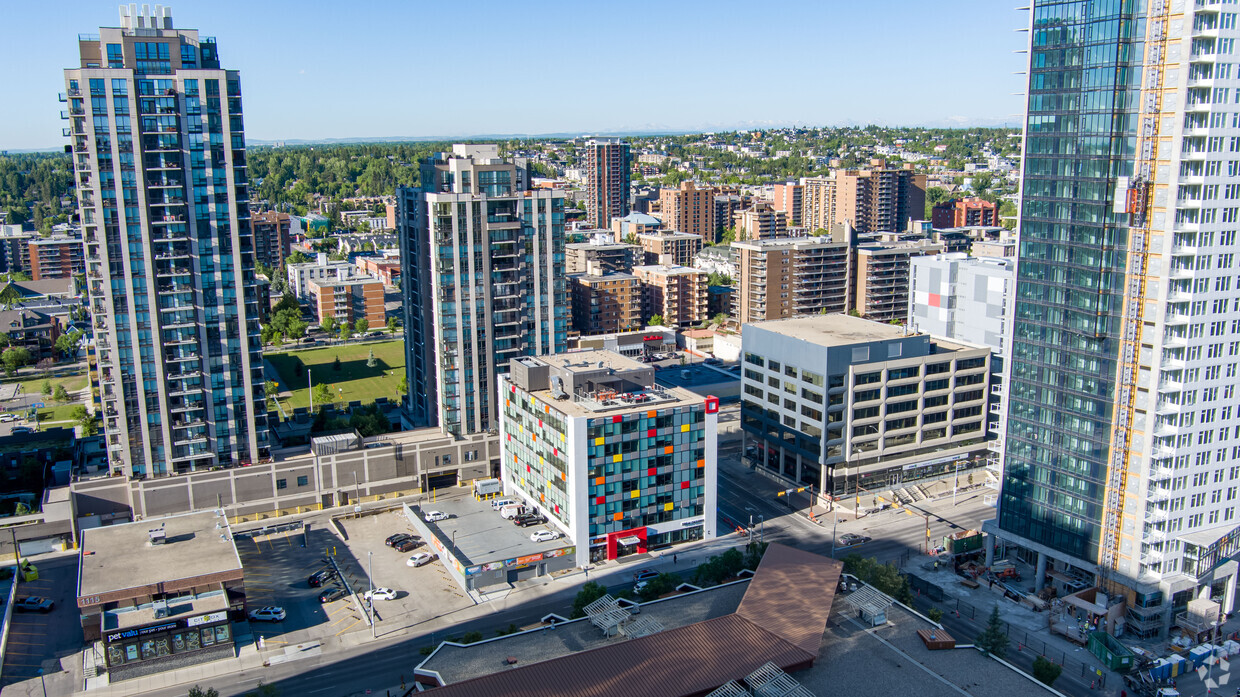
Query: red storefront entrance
point(630, 541)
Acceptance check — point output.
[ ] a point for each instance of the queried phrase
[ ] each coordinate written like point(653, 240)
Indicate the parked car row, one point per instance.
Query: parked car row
point(403, 542)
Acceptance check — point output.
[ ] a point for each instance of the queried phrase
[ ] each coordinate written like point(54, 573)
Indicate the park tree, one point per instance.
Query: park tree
point(287, 302)
point(369, 421)
point(361, 325)
point(60, 394)
point(993, 640)
point(270, 388)
point(13, 358)
point(328, 325)
point(370, 360)
point(344, 331)
point(1046, 671)
point(82, 417)
point(66, 344)
point(47, 388)
point(323, 395)
point(392, 324)
point(658, 586)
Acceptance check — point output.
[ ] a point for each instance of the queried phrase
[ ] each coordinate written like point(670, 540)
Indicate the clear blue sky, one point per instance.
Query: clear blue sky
point(313, 70)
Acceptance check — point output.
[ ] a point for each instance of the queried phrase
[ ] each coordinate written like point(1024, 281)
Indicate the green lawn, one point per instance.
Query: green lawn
point(60, 412)
point(72, 383)
point(353, 382)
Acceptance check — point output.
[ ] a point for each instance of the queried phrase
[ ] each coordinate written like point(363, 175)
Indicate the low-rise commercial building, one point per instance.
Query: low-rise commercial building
point(386, 269)
point(638, 343)
point(608, 303)
point(634, 224)
point(617, 463)
point(675, 293)
point(160, 594)
point(670, 248)
point(845, 404)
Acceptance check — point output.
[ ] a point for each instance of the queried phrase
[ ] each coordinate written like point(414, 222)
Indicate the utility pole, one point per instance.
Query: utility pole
point(955, 483)
point(371, 574)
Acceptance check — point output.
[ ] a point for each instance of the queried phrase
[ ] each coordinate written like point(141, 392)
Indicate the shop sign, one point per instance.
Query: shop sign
point(207, 619)
point(141, 631)
point(561, 552)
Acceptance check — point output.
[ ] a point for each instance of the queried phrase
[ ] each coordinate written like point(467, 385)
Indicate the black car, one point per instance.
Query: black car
point(396, 539)
point(526, 521)
point(320, 577)
point(331, 594)
point(407, 544)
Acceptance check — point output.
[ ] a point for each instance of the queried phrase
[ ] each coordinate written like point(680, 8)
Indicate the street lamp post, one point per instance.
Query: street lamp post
point(955, 483)
point(371, 574)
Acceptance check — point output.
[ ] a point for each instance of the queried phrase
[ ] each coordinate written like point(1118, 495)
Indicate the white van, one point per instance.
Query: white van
point(500, 503)
point(512, 510)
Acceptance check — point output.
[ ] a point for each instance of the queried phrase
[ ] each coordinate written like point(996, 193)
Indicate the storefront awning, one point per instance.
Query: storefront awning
point(629, 540)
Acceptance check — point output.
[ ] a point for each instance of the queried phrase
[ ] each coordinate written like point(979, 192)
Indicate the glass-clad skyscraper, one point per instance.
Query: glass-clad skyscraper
point(1122, 443)
point(159, 157)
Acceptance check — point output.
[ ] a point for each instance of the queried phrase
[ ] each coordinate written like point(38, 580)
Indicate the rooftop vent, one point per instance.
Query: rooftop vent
point(158, 536)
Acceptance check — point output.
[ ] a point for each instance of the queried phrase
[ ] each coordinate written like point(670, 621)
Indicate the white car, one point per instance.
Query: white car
point(433, 516)
point(544, 535)
point(267, 614)
point(380, 594)
point(420, 559)
point(5, 418)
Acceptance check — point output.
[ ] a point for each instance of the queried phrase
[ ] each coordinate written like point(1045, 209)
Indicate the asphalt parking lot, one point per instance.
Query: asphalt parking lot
point(41, 641)
point(422, 593)
point(277, 567)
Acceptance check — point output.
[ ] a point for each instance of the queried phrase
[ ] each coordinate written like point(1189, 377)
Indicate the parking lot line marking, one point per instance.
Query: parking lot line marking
point(288, 540)
point(356, 622)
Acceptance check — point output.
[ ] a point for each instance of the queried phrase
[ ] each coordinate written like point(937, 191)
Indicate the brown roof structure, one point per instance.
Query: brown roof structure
point(781, 620)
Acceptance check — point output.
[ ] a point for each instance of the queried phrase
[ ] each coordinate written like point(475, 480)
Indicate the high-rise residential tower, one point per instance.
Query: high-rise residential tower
point(1123, 431)
point(482, 267)
point(608, 177)
point(159, 158)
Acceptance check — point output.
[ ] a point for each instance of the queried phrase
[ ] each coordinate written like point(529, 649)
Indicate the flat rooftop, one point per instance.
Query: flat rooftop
point(591, 360)
point(119, 557)
point(480, 534)
point(695, 375)
point(458, 663)
point(834, 330)
point(892, 660)
point(126, 617)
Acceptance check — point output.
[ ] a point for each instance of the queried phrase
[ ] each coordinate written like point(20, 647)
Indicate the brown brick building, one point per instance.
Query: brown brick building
point(271, 237)
point(964, 212)
point(688, 209)
point(349, 300)
point(785, 277)
point(677, 293)
point(761, 221)
point(670, 248)
point(878, 198)
point(607, 303)
point(788, 199)
point(58, 256)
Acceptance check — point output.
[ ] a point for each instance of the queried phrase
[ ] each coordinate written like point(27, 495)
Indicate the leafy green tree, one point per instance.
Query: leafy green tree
point(13, 358)
point(589, 592)
point(719, 279)
point(264, 690)
point(82, 417)
point(297, 257)
point(471, 637)
point(934, 614)
point(369, 421)
point(328, 324)
point(344, 331)
point(1047, 672)
point(392, 325)
point(884, 577)
point(67, 343)
point(658, 586)
point(196, 691)
point(720, 318)
point(657, 319)
point(287, 302)
point(361, 325)
point(402, 387)
point(270, 388)
point(60, 394)
point(323, 395)
point(993, 639)
point(47, 388)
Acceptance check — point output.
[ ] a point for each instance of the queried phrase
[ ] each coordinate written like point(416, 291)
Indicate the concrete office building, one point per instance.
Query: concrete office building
point(759, 222)
point(881, 272)
point(618, 464)
point(670, 248)
point(58, 256)
point(689, 209)
point(15, 248)
point(320, 271)
point(154, 120)
point(675, 293)
point(607, 303)
point(1120, 451)
point(963, 212)
point(598, 256)
point(272, 243)
point(487, 257)
point(845, 404)
point(783, 277)
point(607, 180)
point(787, 200)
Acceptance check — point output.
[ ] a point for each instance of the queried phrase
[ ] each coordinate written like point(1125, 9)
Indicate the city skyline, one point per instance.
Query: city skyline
point(302, 97)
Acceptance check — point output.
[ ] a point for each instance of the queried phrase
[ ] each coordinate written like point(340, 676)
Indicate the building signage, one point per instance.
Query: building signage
point(712, 405)
point(653, 337)
point(142, 631)
point(207, 619)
